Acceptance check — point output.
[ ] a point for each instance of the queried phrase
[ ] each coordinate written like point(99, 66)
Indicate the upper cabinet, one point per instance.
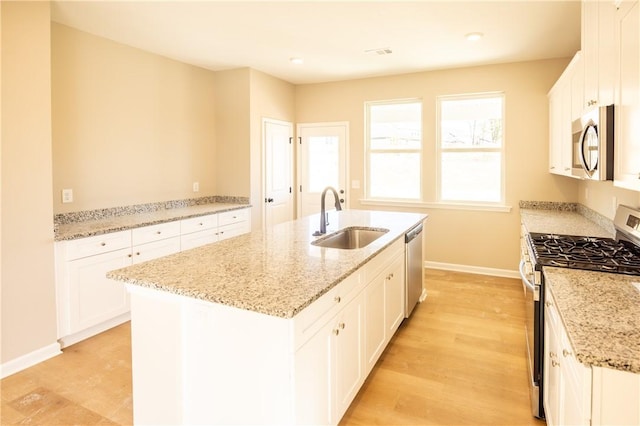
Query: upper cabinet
point(562, 107)
point(598, 48)
point(627, 138)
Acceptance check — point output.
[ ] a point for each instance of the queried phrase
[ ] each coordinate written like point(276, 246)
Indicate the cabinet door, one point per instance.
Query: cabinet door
point(313, 379)
point(197, 239)
point(394, 297)
point(348, 356)
point(93, 297)
point(555, 129)
point(627, 152)
point(154, 250)
point(552, 375)
point(375, 324)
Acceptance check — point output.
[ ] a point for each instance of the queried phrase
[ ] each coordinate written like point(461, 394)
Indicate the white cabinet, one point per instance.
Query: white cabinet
point(567, 389)
point(562, 107)
point(627, 138)
point(87, 302)
point(86, 299)
point(598, 47)
point(198, 231)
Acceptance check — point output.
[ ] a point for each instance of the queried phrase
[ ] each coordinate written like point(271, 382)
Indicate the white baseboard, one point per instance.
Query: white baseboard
point(472, 269)
point(29, 360)
point(72, 339)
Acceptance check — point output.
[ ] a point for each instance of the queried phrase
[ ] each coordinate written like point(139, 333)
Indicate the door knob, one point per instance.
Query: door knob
point(268, 200)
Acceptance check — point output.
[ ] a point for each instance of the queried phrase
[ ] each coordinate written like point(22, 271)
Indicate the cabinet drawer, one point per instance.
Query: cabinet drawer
point(158, 232)
point(234, 216)
point(378, 263)
point(233, 230)
point(90, 246)
point(314, 316)
point(199, 223)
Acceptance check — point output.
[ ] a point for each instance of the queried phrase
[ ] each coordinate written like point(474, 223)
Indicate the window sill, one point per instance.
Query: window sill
point(434, 205)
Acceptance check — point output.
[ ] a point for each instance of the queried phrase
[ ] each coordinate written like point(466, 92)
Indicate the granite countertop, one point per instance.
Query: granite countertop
point(600, 310)
point(87, 228)
point(561, 222)
point(275, 272)
point(601, 313)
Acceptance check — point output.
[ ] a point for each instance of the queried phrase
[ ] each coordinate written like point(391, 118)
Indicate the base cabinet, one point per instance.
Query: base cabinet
point(87, 302)
point(262, 369)
point(578, 395)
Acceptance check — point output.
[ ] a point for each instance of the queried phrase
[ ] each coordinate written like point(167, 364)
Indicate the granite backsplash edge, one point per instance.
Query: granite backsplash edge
point(106, 213)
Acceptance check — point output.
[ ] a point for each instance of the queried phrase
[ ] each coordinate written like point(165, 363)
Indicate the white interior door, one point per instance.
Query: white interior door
point(278, 167)
point(322, 162)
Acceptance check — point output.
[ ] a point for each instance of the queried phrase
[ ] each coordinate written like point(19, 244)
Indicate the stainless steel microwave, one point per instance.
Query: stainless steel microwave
point(593, 144)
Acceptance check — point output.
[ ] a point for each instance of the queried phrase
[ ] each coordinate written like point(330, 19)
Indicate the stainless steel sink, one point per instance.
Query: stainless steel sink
point(351, 238)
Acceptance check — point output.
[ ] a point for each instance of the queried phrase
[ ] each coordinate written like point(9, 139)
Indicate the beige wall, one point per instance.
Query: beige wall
point(270, 98)
point(28, 292)
point(232, 132)
point(603, 197)
point(129, 126)
point(457, 236)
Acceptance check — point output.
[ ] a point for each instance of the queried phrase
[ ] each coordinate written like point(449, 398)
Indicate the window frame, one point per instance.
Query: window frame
point(368, 151)
point(440, 150)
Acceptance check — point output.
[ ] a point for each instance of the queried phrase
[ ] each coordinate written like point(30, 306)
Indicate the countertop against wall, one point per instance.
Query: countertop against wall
point(600, 310)
point(70, 226)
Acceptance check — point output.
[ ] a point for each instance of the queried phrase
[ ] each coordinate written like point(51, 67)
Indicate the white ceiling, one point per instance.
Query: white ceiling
point(332, 36)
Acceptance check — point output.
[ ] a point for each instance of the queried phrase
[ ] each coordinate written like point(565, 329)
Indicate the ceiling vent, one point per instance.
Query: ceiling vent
point(379, 51)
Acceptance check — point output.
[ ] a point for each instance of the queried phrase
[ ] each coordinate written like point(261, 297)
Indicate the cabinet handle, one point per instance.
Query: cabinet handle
point(337, 299)
point(555, 363)
point(548, 304)
point(566, 353)
point(336, 331)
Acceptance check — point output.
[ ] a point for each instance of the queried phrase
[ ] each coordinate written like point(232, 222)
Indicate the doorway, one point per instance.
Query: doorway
point(322, 162)
point(278, 171)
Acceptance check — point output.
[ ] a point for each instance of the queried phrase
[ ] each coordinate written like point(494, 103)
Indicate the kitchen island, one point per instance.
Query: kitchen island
point(265, 328)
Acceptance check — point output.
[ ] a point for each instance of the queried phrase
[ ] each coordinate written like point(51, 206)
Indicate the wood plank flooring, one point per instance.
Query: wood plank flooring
point(459, 360)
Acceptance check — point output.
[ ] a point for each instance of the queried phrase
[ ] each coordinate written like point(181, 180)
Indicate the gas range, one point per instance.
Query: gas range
point(590, 253)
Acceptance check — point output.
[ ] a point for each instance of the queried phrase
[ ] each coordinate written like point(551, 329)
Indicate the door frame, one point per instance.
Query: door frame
point(263, 189)
point(347, 174)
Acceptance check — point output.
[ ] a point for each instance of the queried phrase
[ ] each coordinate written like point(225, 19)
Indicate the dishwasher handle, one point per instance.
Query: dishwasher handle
point(413, 233)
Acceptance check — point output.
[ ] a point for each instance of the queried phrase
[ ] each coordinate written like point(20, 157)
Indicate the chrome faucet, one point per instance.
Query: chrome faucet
point(323, 214)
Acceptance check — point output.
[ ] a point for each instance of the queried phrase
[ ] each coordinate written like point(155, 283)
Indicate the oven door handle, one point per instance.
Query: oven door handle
point(534, 288)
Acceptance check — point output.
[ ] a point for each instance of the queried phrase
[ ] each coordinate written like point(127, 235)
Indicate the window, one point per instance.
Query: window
point(471, 149)
point(394, 150)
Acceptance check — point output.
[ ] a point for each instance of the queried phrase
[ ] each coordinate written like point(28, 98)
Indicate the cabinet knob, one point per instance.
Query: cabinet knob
point(566, 353)
point(555, 363)
point(200, 224)
point(158, 232)
point(103, 244)
point(336, 331)
point(137, 253)
point(341, 325)
point(553, 355)
point(129, 255)
point(337, 299)
point(548, 304)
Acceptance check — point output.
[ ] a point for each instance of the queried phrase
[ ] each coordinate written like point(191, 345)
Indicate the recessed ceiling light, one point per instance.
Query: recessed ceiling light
point(474, 36)
point(296, 61)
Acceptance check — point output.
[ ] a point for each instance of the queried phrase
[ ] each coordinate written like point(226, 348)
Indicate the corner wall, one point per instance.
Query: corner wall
point(28, 290)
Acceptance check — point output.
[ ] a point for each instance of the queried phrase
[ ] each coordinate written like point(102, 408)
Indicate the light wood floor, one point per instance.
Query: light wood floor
point(459, 360)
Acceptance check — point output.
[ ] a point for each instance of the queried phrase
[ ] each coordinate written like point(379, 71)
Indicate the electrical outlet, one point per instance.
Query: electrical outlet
point(196, 186)
point(67, 195)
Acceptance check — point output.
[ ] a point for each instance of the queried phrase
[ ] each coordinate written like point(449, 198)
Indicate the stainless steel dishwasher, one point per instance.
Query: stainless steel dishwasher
point(413, 268)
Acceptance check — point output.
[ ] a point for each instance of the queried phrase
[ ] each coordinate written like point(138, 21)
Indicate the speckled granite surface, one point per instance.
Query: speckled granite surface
point(276, 272)
point(601, 313)
point(562, 222)
point(104, 224)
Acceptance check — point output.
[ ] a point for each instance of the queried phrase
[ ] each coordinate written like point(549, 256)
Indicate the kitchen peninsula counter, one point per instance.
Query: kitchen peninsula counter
point(276, 272)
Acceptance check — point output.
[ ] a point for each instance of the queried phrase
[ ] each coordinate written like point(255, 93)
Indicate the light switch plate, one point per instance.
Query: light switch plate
point(196, 186)
point(67, 195)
